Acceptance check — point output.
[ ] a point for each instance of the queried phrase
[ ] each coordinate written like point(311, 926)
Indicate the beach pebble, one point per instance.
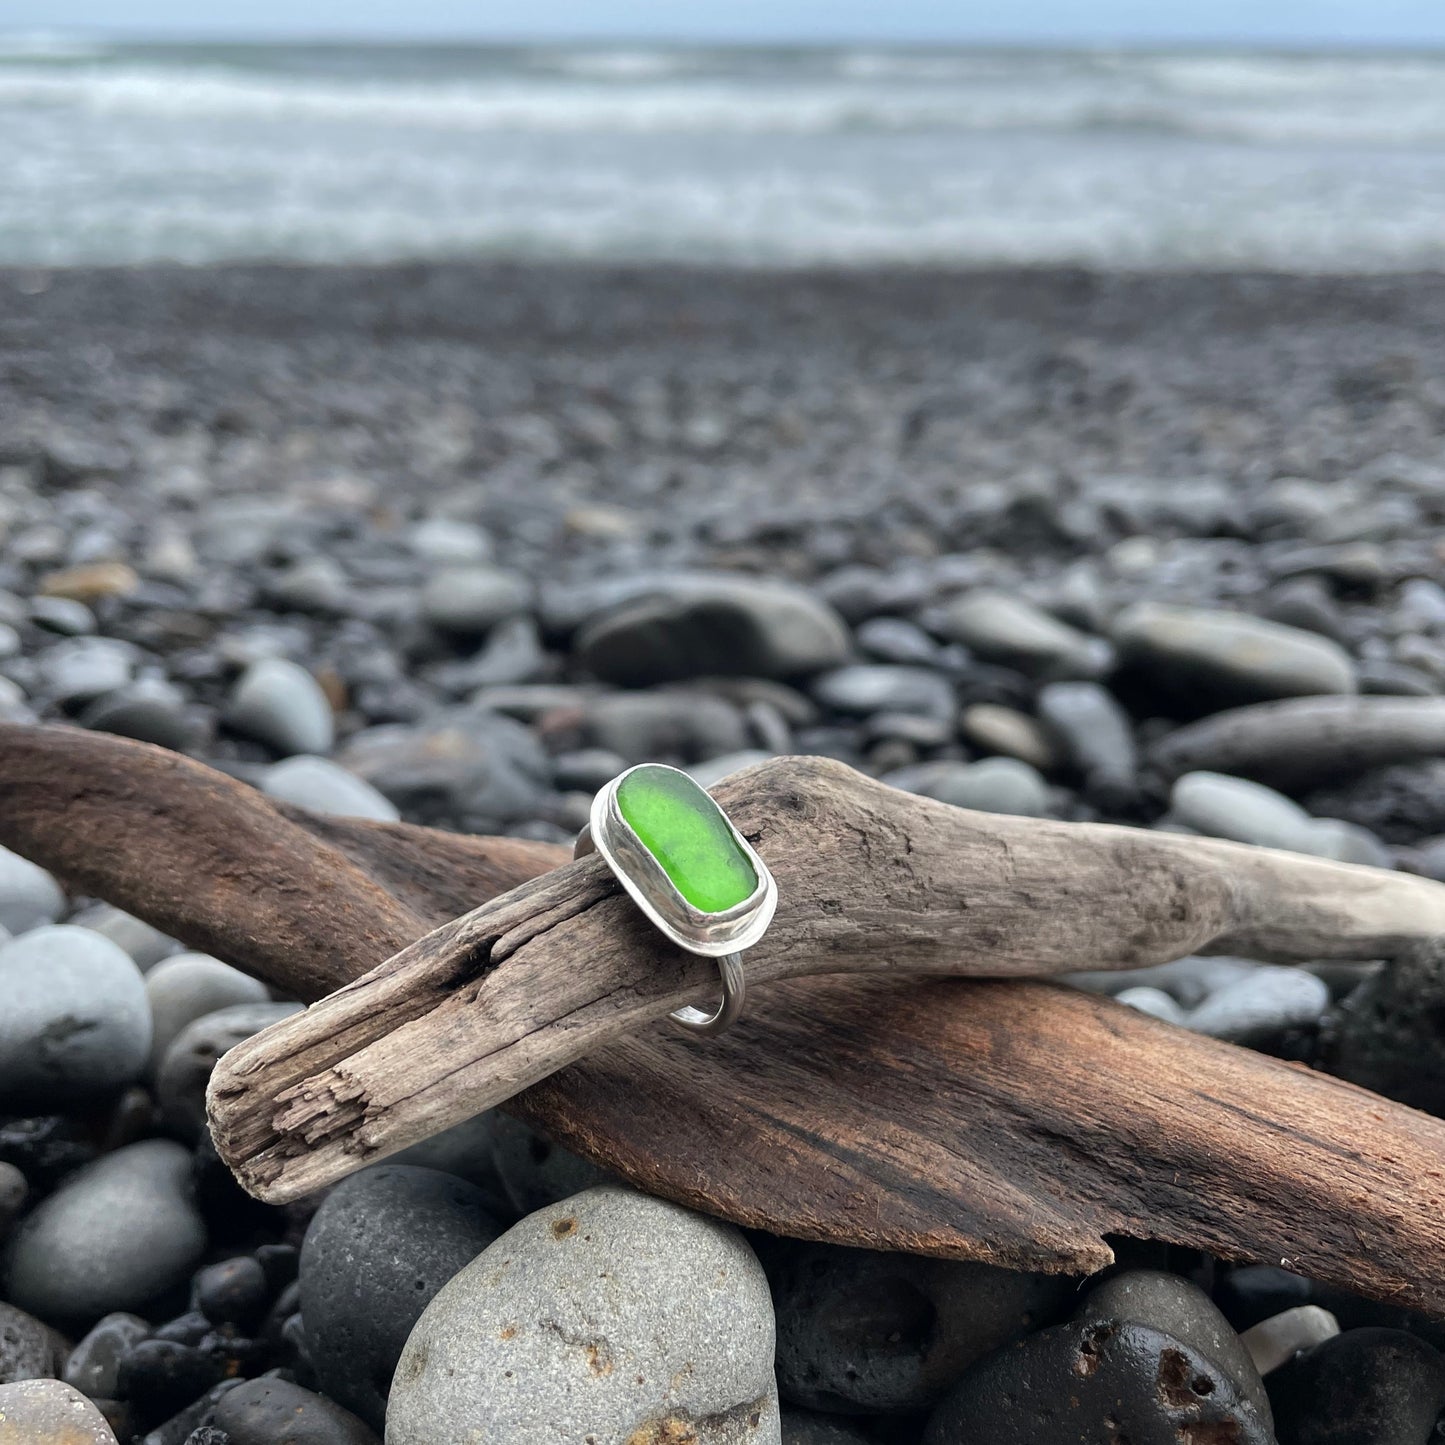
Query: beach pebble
point(1094, 733)
point(187, 986)
point(864, 688)
point(533, 1170)
point(1265, 1003)
point(895, 639)
point(1277, 1340)
point(14, 1191)
point(1399, 803)
point(468, 601)
point(999, 627)
point(93, 1366)
point(63, 615)
point(1200, 661)
point(803, 1427)
point(647, 726)
point(185, 1068)
point(151, 711)
point(1152, 1001)
point(466, 1151)
point(146, 945)
point(712, 772)
point(75, 1023)
point(29, 1350)
point(282, 705)
point(233, 1292)
point(112, 1237)
point(993, 785)
point(161, 1376)
point(48, 1412)
point(272, 1411)
point(1362, 1387)
point(375, 1254)
point(512, 653)
point(1060, 1386)
point(29, 896)
point(611, 1314)
point(448, 539)
point(325, 787)
point(700, 625)
point(1172, 1304)
point(995, 729)
point(1223, 807)
point(865, 1333)
point(84, 668)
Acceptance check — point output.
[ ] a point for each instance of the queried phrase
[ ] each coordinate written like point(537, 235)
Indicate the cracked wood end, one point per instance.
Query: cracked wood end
point(1015, 1122)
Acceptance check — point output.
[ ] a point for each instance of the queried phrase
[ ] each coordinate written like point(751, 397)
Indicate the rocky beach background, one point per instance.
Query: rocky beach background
point(458, 542)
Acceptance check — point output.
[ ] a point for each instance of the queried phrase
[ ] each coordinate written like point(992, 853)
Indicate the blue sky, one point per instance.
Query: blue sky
point(1285, 21)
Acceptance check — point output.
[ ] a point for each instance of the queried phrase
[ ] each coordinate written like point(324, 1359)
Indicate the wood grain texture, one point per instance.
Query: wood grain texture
point(1016, 1122)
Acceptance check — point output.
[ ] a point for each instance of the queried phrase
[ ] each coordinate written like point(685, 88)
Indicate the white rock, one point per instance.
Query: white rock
point(282, 705)
point(326, 787)
point(1154, 1002)
point(1268, 1000)
point(1277, 1340)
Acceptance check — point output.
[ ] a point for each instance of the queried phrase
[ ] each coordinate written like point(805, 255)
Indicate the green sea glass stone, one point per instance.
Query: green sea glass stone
point(686, 832)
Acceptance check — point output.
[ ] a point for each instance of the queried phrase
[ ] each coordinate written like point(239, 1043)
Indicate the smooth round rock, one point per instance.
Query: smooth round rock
point(75, 1022)
point(466, 1151)
point(468, 601)
point(188, 986)
point(701, 625)
point(1201, 661)
point(645, 726)
point(29, 896)
point(47, 1412)
point(611, 1315)
point(233, 1292)
point(533, 1170)
point(275, 1412)
point(282, 705)
point(1088, 1381)
point(162, 1376)
point(375, 1254)
point(1224, 807)
point(1177, 1307)
point(93, 1366)
point(1005, 730)
point(185, 1068)
point(150, 710)
point(1266, 1002)
point(994, 785)
point(1000, 627)
point(146, 945)
point(29, 1348)
point(1277, 1340)
point(1154, 1002)
point(1364, 1387)
point(864, 688)
point(325, 787)
point(862, 1332)
point(113, 1236)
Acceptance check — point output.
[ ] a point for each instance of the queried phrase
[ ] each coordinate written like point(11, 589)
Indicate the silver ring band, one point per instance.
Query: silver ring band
point(734, 995)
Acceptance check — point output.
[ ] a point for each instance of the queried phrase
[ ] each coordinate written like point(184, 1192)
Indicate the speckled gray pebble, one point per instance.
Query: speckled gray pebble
point(112, 1237)
point(29, 1349)
point(188, 986)
point(186, 1067)
point(75, 1023)
point(282, 705)
point(277, 1412)
point(377, 1251)
point(48, 1412)
point(29, 896)
point(326, 787)
point(610, 1316)
point(1266, 1002)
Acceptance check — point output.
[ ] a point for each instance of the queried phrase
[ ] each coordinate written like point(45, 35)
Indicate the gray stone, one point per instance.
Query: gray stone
point(377, 1251)
point(803, 1427)
point(313, 584)
point(1267, 1002)
point(894, 639)
point(29, 1349)
point(1094, 732)
point(995, 785)
point(146, 945)
point(1202, 661)
point(533, 1170)
point(116, 1234)
point(75, 1024)
point(461, 761)
point(867, 1333)
point(1189, 980)
point(512, 653)
point(864, 688)
point(712, 772)
point(85, 668)
point(47, 1412)
point(1223, 807)
point(448, 540)
point(93, 1365)
point(610, 1315)
point(469, 601)
point(712, 624)
point(1171, 1304)
point(326, 787)
point(188, 986)
point(63, 615)
point(466, 1151)
point(271, 1411)
point(14, 1191)
point(1000, 627)
point(1277, 1340)
point(29, 896)
point(647, 726)
point(1152, 1001)
point(185, 1069)
point(1004, 730)
point(151, 710)
point(283, 706)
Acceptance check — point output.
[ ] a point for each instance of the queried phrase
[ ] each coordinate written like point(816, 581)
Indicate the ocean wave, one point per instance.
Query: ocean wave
point(49, 45)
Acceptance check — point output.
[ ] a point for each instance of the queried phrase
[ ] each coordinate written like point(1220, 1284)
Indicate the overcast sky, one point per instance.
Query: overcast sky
point(1288, 21)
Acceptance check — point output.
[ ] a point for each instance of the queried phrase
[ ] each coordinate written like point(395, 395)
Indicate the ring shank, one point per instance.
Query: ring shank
point(734, 994)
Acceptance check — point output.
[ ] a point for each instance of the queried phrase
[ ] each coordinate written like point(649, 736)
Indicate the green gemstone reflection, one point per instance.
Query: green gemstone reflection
point(686, 832)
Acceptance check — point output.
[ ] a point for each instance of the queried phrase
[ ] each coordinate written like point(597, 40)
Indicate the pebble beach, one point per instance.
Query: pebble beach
point(456, 543)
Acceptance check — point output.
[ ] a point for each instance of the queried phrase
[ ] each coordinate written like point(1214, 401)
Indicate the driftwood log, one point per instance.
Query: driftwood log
point(1010, 1121)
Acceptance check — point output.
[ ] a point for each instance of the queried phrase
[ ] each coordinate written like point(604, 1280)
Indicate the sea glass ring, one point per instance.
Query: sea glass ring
point(689, 870)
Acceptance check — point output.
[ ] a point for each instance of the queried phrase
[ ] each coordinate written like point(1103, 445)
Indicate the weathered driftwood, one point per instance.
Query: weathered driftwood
point(1017, 1122)
point(872, 880)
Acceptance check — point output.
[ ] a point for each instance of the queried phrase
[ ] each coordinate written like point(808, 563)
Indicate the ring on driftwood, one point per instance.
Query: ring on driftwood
point(689, 870)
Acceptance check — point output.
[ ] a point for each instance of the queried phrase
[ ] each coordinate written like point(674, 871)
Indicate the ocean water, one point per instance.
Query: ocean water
point(839, 156)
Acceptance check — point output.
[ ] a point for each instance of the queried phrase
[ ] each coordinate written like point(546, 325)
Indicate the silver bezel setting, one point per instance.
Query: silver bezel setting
point(711, 934)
